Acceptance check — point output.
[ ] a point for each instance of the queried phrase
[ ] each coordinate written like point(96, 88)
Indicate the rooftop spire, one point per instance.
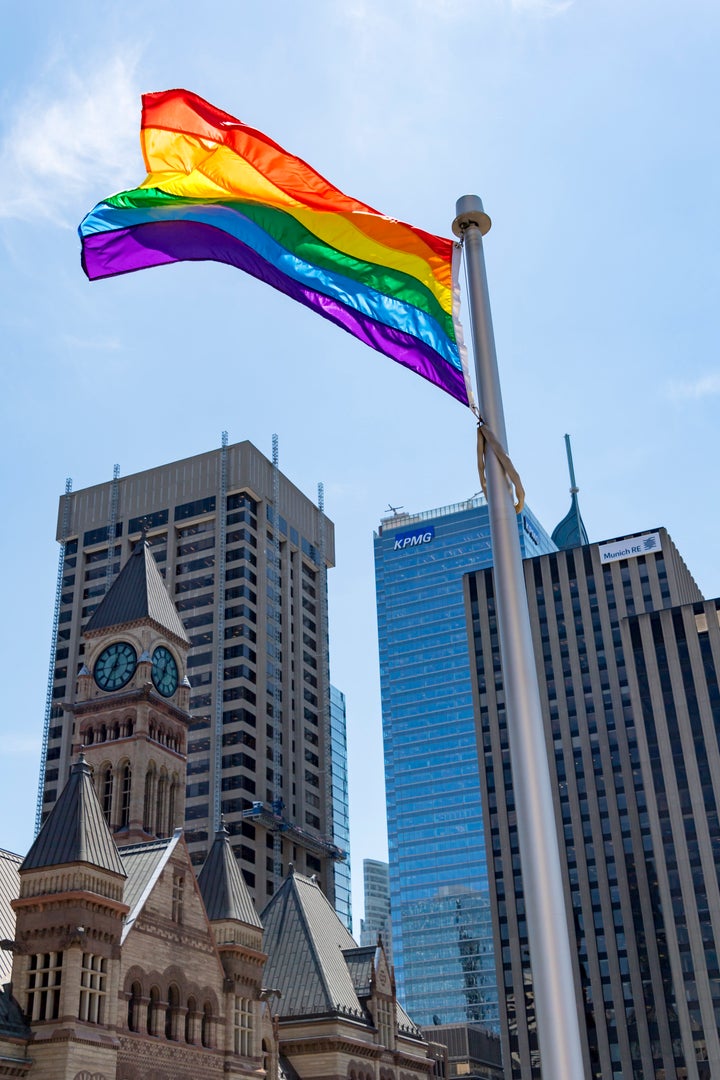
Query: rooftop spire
point(570, 532)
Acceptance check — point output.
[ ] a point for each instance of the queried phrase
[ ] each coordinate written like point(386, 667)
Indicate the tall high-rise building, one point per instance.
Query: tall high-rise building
point(442, 928)
point(340, 804)
point(376, 895)
point(244, 555)
point(628, 657)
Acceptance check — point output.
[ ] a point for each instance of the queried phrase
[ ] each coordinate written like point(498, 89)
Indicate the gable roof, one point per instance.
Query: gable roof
point(9, 890)
point(137, 593)
point(75, 830)
point(144, 863)
point(304, 940)
point(223, 887)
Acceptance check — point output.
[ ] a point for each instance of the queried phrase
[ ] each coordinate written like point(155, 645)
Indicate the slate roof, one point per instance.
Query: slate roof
point(223, 887)
point(75, 830)
point(11, 1020)
point(138, 592)
point(9, 890)
point(305, 939)
point(143, 865)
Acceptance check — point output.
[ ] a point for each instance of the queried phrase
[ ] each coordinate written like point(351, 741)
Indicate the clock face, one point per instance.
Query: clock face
point(115, 665)
point(164, 671)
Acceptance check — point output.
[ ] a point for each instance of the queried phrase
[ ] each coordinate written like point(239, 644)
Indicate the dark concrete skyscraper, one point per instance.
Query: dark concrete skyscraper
point(244, 555)
point(630, 703)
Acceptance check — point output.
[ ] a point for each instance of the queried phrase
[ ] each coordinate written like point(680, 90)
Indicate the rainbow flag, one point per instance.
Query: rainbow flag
point(217, 189)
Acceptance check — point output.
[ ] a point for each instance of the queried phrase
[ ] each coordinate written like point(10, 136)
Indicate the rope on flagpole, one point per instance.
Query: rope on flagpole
point(486, 437)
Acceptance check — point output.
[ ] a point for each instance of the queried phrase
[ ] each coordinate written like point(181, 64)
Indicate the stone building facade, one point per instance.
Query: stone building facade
point(128, 966)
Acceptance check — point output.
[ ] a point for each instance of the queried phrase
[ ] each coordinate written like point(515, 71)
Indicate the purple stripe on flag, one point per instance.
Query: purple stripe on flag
point(157, 243)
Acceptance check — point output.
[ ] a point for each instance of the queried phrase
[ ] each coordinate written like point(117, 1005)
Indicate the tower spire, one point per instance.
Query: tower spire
point(571, 532)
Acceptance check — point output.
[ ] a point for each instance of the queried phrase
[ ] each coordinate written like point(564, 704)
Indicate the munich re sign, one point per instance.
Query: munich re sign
point(414, 539)
point(630, 549)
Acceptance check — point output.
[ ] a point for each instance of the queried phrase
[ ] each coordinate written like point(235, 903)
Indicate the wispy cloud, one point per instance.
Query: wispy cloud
point(73, 137)
point(705, 386)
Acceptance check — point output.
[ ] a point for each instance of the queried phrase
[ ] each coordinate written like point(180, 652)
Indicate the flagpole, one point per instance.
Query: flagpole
point(548, 926)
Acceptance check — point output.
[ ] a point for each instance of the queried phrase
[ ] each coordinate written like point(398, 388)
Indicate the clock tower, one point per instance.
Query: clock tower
point(130, 711)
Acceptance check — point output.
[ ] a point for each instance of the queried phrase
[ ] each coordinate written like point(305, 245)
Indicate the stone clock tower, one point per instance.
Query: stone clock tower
point(130, 711)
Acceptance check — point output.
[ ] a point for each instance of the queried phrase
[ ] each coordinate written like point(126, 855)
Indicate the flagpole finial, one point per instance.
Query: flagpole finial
point(469, 210)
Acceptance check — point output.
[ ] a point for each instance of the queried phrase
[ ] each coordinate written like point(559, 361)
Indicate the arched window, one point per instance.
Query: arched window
point(172, 803)
point(161, 811)
point(172, 1013)
point(190, 1020)
point(134, 1007)
point(149, 806)
point(126, 780)
point(106, 791)
point(206, 1029)
point(153, 1010)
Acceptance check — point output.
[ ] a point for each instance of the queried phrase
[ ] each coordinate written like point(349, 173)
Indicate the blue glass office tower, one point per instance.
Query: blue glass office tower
point(442, 924)
point(340, 804)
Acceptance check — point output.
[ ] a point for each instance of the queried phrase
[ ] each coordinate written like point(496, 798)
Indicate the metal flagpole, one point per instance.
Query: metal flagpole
point(548, 927)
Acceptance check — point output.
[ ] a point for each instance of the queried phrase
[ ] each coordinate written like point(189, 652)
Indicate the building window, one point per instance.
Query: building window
point(106, 792)
point(125, 797)
point(206, 1025)
point(177, 898)
point(150, 780)
point(44, 979)
point(385, 1025)
point(243, 1026)
point(172, 1013)
point(93, 977)
point(134, 1007)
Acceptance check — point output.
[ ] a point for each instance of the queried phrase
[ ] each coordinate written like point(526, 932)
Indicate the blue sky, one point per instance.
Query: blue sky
point(588, 127)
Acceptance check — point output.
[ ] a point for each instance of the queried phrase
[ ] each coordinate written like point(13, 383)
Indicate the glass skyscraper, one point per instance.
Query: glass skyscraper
point(441, 918)
point(340, 803)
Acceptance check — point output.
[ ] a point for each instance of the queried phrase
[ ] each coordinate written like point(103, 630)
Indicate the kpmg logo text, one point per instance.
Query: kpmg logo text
point(414, 539)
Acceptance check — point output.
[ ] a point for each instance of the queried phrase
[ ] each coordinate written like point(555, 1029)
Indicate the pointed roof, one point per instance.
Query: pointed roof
point(222, 885)
point(75, 830)
point(304, 940)
point(570, 532)
point(138, 592)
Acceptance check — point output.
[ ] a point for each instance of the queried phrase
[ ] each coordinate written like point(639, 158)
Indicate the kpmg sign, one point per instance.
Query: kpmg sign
point(630, 549)
point(414, 539)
